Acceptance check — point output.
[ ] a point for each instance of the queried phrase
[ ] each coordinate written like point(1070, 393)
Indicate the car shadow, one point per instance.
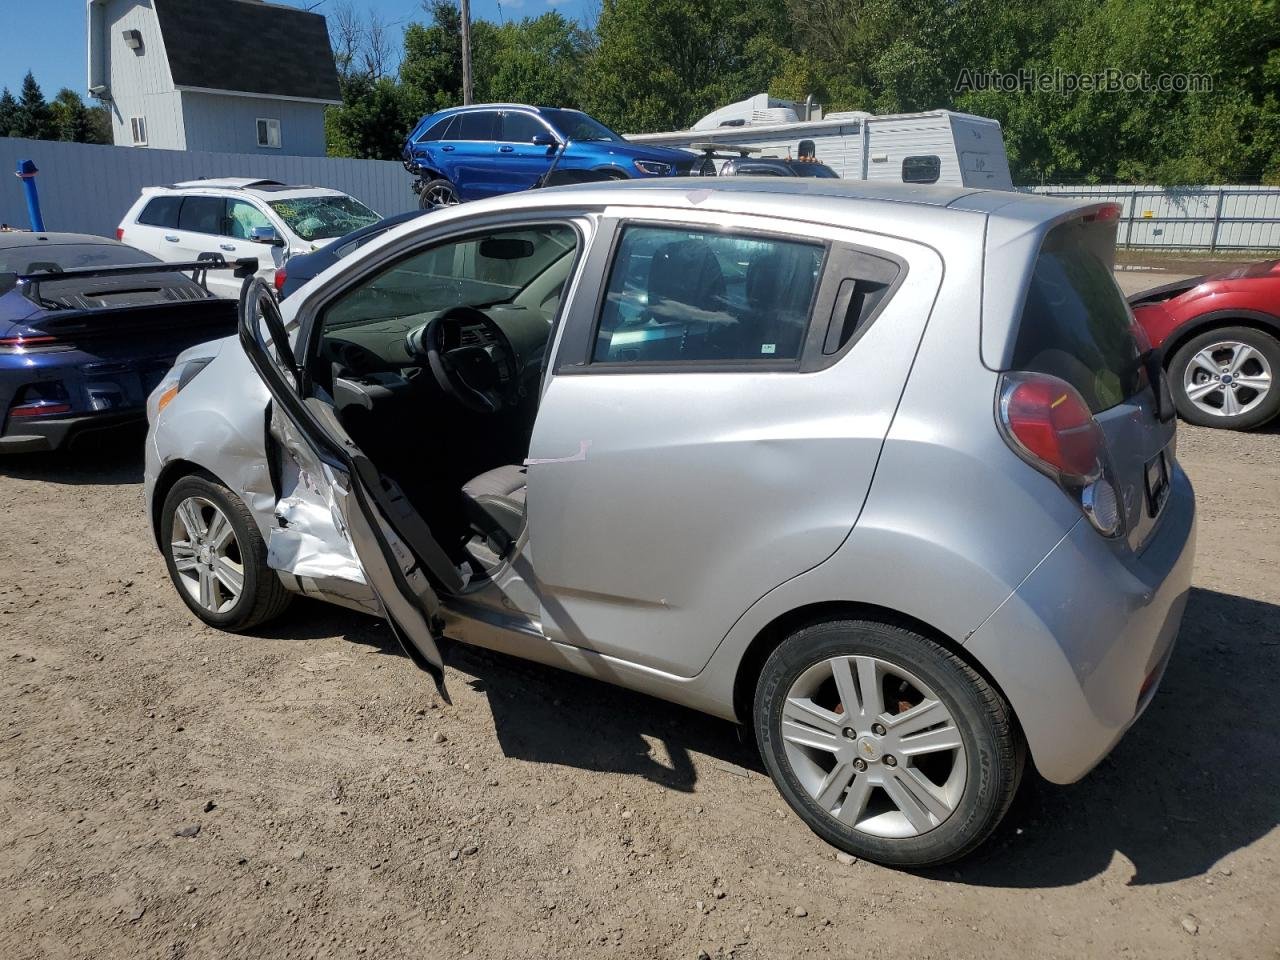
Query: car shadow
point(1195, 779)
point(540, 712)
point(105, 457)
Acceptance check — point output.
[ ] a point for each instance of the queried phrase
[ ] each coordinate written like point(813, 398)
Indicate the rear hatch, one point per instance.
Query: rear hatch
point(1075, 325)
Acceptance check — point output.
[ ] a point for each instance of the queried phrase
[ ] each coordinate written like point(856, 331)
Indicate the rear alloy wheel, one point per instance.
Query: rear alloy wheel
point(217, 558)
point(437, 193)
point(885, 743)
point(1227, 378)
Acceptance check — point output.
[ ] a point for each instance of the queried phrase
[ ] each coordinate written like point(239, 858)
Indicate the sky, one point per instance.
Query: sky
point(48, 39)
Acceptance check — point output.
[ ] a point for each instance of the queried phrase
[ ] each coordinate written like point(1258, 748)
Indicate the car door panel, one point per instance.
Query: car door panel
point(338, 473)
point(663, 504)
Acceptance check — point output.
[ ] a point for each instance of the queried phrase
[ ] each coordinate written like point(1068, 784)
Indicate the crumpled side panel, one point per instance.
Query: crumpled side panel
point(309, 538)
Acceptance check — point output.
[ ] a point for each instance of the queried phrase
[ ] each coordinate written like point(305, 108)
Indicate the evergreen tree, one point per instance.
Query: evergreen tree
point(34, 119)
point(8, 113)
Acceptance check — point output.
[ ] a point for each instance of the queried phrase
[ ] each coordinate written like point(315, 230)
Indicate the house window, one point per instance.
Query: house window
point(139, 127)
point(269, 133)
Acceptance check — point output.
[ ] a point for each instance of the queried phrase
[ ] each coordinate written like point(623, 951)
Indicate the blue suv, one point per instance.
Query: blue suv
point(465, 153)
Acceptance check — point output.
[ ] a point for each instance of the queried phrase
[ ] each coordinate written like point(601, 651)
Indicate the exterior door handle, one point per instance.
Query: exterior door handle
point(226, 246)
point(447, 149)
point(507, 149)
point(171, 239)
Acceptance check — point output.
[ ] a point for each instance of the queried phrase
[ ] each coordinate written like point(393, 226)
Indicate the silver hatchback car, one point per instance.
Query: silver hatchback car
point(885, 473)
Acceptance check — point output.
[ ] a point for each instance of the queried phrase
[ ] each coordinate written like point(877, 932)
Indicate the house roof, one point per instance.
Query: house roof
point(245, 46)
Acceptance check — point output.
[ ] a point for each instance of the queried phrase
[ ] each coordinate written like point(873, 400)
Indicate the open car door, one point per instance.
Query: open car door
point(369, 510)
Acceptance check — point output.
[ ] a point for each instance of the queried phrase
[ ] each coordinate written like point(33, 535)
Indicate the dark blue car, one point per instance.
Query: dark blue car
point(88, 327)
point(465, 153)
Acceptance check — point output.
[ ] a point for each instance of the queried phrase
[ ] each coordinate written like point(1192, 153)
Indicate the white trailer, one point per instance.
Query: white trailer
point(940, 146)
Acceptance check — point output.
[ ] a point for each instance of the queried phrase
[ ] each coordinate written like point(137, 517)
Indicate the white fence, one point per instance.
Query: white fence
point(1189, 218)
point(87, 188)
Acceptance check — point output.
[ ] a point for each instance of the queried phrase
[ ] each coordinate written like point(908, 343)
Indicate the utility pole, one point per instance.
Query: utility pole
point(465, 6)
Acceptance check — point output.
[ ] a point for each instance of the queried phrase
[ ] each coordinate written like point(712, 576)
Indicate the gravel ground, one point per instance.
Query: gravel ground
point(170, 791)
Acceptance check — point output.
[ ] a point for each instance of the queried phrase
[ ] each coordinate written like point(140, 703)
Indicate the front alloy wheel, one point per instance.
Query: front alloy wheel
point(216, 556)
point(886, 744)
point(207, 555)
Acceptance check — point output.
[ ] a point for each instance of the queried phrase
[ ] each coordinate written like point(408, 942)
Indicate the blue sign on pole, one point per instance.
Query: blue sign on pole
point(27, 173)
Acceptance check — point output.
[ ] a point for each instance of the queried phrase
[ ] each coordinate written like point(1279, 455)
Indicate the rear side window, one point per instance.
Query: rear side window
point(201, 214)
point(436, 131)
point(477, 125)
point(1075, 324)
point(681, 295)
point(161, 212)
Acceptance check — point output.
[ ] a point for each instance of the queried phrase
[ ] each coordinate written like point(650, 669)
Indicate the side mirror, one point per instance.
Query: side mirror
point(544, 140)
point(266, 235)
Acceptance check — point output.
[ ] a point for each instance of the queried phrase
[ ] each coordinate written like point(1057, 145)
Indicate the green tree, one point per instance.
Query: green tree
point(8, 113)
point(661, 64)
point(33, 119)
point(69, 117)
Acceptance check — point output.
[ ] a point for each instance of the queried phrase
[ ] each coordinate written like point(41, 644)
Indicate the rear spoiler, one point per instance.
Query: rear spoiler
point(243, 267)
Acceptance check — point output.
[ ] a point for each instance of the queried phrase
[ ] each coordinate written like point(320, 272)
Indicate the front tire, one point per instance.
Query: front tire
point(1227, 378)
point(216, 557)
point(886, 744)
point(437, 193)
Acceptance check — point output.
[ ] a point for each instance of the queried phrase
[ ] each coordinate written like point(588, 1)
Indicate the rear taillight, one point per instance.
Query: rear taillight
point(39, 408)
point(1048, 424)
point(11, 346)
point(279, 280)
point(120, 234)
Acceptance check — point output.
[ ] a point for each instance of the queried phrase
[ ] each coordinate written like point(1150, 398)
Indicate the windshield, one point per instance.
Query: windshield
point(323, 218)
point(578, 126)
point(16, 261)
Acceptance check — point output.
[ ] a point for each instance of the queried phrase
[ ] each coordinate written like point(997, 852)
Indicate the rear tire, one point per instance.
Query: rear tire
point(918, 773)
point(1249, 357)
point(216, 557)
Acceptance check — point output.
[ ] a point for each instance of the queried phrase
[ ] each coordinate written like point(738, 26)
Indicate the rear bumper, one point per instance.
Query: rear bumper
point(41, 435)
point(1081, 645)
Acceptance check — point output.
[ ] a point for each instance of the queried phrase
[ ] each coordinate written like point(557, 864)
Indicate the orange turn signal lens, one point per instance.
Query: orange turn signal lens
point(166, 397)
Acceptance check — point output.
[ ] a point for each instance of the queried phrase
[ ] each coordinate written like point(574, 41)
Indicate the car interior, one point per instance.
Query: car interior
point(433, 363)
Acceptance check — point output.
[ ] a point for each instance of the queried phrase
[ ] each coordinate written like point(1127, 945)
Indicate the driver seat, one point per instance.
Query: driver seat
point(495, 502)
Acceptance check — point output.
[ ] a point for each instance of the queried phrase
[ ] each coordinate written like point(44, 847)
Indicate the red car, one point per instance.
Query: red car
point(1220, 339)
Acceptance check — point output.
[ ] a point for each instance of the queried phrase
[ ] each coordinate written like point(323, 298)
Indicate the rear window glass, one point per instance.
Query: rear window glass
point(478, 125)
point(1075, 324)
point(161, 212)
point(202, 214)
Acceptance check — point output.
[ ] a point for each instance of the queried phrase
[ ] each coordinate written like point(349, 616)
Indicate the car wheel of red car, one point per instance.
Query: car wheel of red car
point(1227, 378)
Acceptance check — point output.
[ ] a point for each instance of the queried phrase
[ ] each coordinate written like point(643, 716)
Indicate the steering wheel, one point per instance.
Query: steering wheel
point(481, 377)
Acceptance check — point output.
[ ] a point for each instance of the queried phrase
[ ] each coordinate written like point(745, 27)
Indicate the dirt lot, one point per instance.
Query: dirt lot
point(343, 811)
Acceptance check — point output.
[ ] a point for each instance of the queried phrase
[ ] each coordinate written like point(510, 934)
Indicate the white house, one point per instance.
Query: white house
point(225, 76)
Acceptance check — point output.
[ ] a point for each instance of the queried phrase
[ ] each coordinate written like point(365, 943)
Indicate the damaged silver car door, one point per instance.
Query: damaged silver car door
point(343, 518)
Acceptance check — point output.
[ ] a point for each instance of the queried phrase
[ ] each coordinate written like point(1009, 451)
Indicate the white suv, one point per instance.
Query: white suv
point(239, 217)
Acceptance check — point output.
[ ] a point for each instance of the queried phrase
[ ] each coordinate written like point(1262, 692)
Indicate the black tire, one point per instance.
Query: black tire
point(262, 597)
point(1261, 412)
point(437, 193)
point(994, 754)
